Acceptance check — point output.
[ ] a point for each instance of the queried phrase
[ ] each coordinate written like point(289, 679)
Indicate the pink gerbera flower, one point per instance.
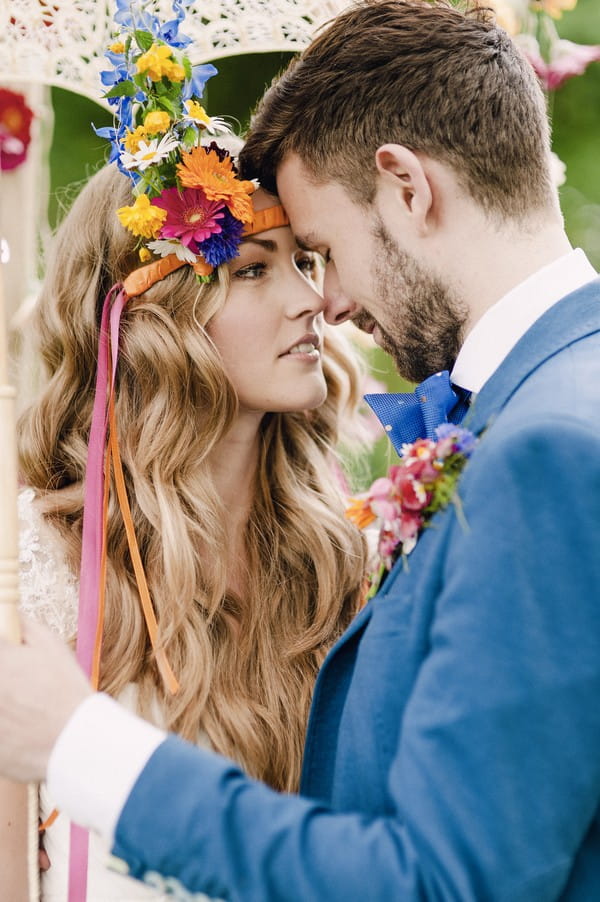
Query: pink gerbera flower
point(191, 217)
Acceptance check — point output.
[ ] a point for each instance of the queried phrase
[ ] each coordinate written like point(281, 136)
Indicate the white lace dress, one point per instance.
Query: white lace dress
point(49, 594)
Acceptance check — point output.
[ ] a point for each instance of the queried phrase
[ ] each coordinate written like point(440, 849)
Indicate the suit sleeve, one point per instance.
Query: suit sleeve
point(496, 778)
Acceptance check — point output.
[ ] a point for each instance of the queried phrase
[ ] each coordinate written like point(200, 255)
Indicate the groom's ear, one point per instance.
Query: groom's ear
point(404, 183)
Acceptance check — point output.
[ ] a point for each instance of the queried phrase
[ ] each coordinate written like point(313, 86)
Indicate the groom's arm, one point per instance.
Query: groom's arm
point(168, 808)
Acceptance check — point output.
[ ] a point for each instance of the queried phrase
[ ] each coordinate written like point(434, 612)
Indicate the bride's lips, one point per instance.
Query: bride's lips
point(307, 347)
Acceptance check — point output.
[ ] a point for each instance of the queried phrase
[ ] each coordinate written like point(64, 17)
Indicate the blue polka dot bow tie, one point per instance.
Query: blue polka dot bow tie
point(407, 417)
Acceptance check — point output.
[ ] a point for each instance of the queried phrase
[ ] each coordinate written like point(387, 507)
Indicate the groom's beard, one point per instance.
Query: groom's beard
point(424, 324)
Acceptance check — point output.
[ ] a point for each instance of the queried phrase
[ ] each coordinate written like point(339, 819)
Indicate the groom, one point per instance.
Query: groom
point(453, 750)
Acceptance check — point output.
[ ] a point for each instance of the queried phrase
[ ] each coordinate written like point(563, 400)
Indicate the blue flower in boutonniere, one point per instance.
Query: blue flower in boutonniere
point(404, 501)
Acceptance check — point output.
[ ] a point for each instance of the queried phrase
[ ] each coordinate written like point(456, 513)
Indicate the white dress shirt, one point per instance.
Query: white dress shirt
point(500, 328)
point(97, 759)
point(104, 748)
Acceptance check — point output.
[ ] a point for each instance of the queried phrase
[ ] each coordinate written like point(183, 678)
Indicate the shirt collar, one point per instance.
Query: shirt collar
point(500, 328)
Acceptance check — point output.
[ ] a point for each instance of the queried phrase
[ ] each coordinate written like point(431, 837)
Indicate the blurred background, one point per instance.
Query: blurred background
point(75, 151)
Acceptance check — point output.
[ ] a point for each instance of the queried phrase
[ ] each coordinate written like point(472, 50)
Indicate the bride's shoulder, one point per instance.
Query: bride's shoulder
point(48, 588)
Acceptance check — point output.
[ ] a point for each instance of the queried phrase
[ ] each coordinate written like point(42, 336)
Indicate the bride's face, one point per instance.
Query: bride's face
point(270, 330)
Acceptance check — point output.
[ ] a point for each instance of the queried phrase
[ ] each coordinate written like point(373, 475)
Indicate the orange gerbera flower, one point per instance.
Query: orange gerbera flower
point(218, 180)
point(359, 512)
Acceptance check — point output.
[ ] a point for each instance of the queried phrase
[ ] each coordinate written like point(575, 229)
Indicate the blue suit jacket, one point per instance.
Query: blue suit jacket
point(453, 750)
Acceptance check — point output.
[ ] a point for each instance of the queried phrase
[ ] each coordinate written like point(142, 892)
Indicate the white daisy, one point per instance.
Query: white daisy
point(163, 247)
point(218, 126)
point(149, 152)
point(197, 115)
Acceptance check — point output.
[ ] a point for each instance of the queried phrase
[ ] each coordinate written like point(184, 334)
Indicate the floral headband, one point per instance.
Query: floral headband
point(190, 205)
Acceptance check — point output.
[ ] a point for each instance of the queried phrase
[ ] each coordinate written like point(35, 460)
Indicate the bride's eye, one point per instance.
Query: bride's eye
point(251, 271)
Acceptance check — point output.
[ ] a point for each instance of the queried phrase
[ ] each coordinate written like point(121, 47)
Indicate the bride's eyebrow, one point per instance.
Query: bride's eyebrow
point(266, 243)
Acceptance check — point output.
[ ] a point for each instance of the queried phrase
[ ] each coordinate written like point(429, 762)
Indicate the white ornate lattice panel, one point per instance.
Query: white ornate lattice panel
point(61, 42)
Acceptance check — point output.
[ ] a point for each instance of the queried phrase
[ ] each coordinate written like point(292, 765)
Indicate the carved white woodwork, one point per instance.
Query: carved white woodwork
point(61, 42)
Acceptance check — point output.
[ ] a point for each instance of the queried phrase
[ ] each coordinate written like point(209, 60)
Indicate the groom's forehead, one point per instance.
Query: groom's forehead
point(295, 179)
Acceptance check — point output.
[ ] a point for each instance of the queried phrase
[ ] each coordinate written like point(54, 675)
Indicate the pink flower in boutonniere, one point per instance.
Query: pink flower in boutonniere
point(404, 501)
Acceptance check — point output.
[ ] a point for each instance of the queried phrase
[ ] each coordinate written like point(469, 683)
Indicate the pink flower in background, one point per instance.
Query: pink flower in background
point(567, 60)
point(15, 129)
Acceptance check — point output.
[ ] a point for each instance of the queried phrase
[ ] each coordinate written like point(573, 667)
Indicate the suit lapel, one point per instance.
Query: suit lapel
point(569, 320)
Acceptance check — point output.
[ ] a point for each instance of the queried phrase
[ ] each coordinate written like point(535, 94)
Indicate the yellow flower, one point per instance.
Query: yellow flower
point(504, 14)
point(554, 8)
point(175, 72)
point(144, 255)
point(117, 47)
point(157, 62)
point(157, 122)
point(132, 139)
point(142, 219)
point(197, 112)
point(217, 179)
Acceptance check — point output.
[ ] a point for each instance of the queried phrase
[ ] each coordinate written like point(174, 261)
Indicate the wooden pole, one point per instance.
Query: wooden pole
point(9, 569)
point(9, 527)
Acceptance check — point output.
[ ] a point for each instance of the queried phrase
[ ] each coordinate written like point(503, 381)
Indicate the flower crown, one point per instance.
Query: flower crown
point(190, 205)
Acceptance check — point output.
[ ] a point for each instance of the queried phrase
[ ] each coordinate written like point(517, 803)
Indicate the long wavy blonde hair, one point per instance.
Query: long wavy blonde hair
point(246, 667)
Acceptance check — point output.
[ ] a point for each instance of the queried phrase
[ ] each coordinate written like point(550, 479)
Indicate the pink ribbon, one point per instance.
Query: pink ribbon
point(91, 545)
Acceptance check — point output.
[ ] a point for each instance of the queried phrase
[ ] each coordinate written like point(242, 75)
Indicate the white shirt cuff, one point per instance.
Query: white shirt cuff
point(96, 761)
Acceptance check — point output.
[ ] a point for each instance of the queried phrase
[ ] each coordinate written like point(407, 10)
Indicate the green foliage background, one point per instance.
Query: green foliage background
point(76, 151)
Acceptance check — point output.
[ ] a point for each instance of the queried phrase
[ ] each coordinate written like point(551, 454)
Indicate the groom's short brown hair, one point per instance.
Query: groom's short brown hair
point(442, 81)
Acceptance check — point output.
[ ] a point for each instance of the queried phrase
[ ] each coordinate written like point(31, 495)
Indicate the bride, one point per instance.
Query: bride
point(229, 403)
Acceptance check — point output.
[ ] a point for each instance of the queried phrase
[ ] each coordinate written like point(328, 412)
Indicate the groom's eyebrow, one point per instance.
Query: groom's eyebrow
point(307, 242)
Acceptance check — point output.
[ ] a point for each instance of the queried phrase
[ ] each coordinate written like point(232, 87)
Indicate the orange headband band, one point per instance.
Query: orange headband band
point(140, 280)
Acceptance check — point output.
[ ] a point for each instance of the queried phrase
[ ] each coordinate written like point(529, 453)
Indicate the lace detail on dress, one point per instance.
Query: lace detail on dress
point(49, 590)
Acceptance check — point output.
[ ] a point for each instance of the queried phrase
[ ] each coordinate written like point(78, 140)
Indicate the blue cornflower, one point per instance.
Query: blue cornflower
point(113, 135)
point(169, 32)
point(111, 77)
point(128, 17)
point(225, 246)
point(194, 87)
point(463, 439)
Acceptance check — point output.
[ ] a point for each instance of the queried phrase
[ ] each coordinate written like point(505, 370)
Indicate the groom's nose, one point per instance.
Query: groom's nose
point(337, 307)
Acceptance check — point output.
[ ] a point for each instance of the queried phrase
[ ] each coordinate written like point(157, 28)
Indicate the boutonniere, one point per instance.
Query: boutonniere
point(404, 501)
